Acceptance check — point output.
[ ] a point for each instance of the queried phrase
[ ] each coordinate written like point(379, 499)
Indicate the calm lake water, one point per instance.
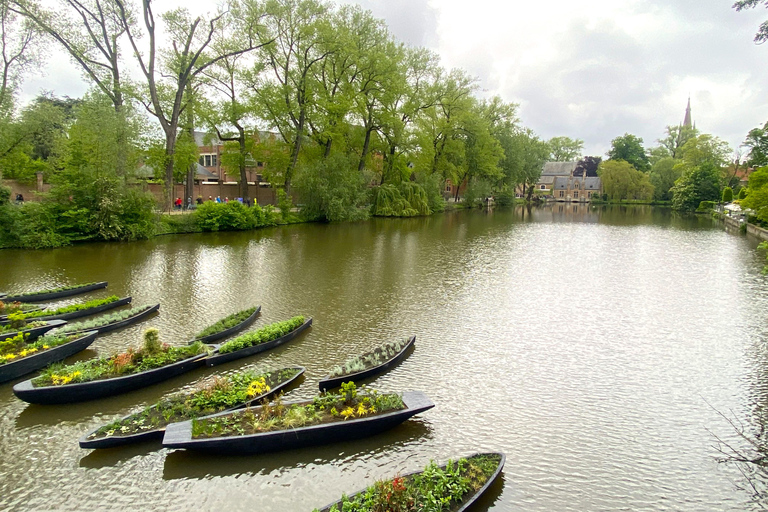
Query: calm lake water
point(594, 347)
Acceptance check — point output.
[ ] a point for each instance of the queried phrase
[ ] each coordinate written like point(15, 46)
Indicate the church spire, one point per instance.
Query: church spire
point(687, 122)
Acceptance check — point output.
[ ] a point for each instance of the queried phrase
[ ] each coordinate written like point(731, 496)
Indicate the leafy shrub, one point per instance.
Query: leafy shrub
point(409, 199)
point(264, 335)
point(742, 193)
point(225, 323)
point(476, 192)
point(332, 190)
point(705, 206)
point(727, 195)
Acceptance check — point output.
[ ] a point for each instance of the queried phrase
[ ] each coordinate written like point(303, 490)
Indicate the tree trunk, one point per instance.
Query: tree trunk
point(189, 189)
point(294, 154)
point(243, 175)
point(170, 151)
point(366, 145)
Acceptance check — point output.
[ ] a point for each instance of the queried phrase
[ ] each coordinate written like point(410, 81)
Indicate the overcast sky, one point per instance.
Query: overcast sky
point(592, 69)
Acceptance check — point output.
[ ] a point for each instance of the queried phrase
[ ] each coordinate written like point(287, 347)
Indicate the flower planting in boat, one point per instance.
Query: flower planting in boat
point(264, 335)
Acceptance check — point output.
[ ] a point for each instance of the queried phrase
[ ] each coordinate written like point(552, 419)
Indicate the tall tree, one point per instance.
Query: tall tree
point(301, 38)
point(629, 148)
point(190, 54)
point(674, 139)
point(663, 176)
point(19, 48)
point(525, 155)
point(762, 33)
point(622, 181)
point(757, 142)
point(565, 149)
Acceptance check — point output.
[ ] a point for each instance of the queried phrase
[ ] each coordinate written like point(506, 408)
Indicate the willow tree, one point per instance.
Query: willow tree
point(189, 54)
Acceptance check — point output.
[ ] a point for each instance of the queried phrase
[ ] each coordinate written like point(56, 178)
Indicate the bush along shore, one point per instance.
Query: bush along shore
point(370, 359)
point(437, 488)
point(226, 323)
point(72, 308)
point(17, 348)
point(217, 396)
point(101, 321)
point(264, 335)
point(153, 354)
point(325, 408)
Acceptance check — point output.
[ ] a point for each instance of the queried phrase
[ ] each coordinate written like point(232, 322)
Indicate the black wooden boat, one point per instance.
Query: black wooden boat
point(179, 435)
point(35, 332)
point(30, 310)
point(466, 502)
point(29, 364)
point(157, 433)
point(217, 358)
point(43, 296)
point(83, 312)
point(232, 330)
point(334, 382)
point(141, 315)
point(83, 391)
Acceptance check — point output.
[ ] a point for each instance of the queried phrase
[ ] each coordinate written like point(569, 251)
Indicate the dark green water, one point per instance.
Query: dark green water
point(593, 347)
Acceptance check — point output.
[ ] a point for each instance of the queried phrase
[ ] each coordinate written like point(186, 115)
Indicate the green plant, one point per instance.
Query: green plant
point(152, 345)
point(17, 348)
point(370, 359)
point(226, 323)
point(101, 321)
point(72, 308)
point(264, 335)
point(727, 195)
point(17, 320)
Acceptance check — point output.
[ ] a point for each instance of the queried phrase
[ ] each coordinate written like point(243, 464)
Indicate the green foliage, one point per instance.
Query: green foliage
point(5, 195)
point(226, 323)
point(629, 148)
point(697, 184)
point(17, 347)
point(742, 193)
point(706, 206)
point(663, 175)
point(476, 192)
point(409, 199)
point(757, 194)
point(102, 320)
point(621, 181)
point(232, 216)
point(433, 187)
point(727, 195)
point(264, 335)
point(332, 189)
point(565, 149)
point(72, 307)
point(370, 359)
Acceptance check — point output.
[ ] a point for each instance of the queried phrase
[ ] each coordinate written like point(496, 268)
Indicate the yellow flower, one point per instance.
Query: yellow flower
point(361, 410)
point(77, 374)
point(46, 347)
point(348, 413)
point(10, 357)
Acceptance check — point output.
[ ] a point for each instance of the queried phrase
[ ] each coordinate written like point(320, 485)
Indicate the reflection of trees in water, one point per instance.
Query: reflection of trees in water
point(614, 215)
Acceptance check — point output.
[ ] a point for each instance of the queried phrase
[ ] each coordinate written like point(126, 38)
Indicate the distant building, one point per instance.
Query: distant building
point(211, 148)
point(564, 182)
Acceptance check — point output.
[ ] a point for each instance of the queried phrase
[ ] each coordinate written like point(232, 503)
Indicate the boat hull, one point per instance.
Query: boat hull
point(21, 367)
point(33, 334)
point(232, 330)
point(179, 435)
point(84, 391)
point(217, 359)
point(83, 312)
point(128, 321)
point(334, 382)
point(150, 435)
point(40, 297)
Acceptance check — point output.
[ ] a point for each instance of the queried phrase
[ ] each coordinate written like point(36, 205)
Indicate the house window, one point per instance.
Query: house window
point(589, 195)
point(575, 194)
point(447, 188)
point(562, 193)
point(259, 164)
point(207, 160)
point(213, 160)
point(543, 187)
point(202, 160)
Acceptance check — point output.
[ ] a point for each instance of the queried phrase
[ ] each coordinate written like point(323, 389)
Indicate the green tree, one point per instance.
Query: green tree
point(663, 176)
point(757, 194)
point(757, 142)
point(565, 149)
point(524, 157)
point(727, 194)
point(674, 139)
point(762, 33)
point(697, 183)
point(622, 181)
point(630, 148)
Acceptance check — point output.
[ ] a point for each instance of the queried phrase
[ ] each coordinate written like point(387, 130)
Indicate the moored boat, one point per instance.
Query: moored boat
point(219, 358)
point(33, 332)
point(210, 338)
point(333, 381)
point(480, 470)
point(43, 357)
point(99, 438)
point(58, 293)
point(77, 313)
point(143, 312)
point(180, 435)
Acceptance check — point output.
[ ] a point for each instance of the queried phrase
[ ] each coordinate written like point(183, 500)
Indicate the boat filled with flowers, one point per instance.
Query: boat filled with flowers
point(30, 330)
point(110, 321)
point(277, 426)
point(222, 394)
point(452, 487)
point(97, 378)
point(367, 365)
point(91, 307)
point(228, 326)
point(258, 341)
point(54, 293)
point(18, 357)
point(7, 308)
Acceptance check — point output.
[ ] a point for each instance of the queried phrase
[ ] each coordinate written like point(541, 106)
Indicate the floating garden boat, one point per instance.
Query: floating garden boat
point(91, 307)
point(112, 321)
point(97, 378)
point(14, 307)
point(271, 427)
point(258, 341)
point(367, 365)
point(455, 485)
point(18, 358)
point(55, 293)
point(223, 394)
point(228, 326)
point(30, 330)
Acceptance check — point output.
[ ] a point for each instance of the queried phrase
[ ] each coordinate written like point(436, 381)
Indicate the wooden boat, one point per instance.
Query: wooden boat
point(179, 435)
point(34, 332)
point(157, 433)
point(465, 503)
point(83, 391)
point(82, 312)
point(232, 330)
point(30, 310)
point(125, 322)
point(43, 296)
point(29, 364)
point(217, 358)
point(334, 382)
